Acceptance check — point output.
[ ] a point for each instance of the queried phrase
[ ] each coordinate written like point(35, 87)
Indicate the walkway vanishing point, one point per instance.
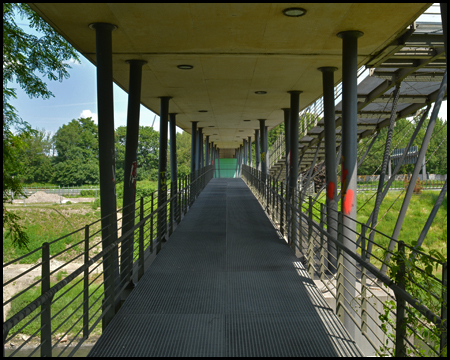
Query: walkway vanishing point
point(225, 284)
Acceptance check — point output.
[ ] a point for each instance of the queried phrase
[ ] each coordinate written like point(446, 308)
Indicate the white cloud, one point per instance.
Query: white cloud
point(88, 113)
point(72, 61)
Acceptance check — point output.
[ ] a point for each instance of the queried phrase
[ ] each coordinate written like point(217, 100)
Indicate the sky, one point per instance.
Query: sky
point(77, 97)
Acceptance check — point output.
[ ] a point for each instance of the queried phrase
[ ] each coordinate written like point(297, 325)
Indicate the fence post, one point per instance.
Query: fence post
point(141, 240)
point(282, 209)
point(273, 199)
point(310, 241)
point(179, 201)
point(322, 250)
point(443, 340)
point(172, 212)
point(363, 282)
point(400, 326)
point(86, 285)
point(340, 274)
point(46, 315)
point(151, 223)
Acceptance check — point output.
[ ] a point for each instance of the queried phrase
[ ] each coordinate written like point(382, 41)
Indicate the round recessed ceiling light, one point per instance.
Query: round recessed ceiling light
point(185, 67)
point(294, 12)
point(260, 92)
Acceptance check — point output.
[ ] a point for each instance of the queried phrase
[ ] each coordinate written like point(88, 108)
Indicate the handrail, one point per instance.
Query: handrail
point(312, 240)
point(177, 204)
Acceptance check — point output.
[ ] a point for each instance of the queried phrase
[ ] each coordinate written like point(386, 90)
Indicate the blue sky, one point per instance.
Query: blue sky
point(77, 97)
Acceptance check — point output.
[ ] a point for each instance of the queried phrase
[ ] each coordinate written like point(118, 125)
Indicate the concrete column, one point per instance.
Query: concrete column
point(349, 160)
point(293, 138)
point(245, 152)
point(200, 148)
point(262, 142)
point(250, 160)
point(330, 161)
point(193, 146)
point(257, 151)
point(207, 160)
point(105, 111)
point(287, 139)
point(266, 145)
point(173, 164)
point(129, 183)
point(241, 159)
point(162, 170)
point(197, 150)
point(293, 168)
point(173, 148)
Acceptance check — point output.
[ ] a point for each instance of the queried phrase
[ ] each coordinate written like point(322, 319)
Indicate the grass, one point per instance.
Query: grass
point(64, 307)
point(45, 223)
point(416, 216)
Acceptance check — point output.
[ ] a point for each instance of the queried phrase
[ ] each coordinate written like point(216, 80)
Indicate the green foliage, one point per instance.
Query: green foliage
point(87, 192)
point(183, 154)
point(36, 157)
point(415, 271)
point(437, 161)
point(24, 56)
point(96, 204)
point(77, 159)
point(147, 153)
point(44, 224)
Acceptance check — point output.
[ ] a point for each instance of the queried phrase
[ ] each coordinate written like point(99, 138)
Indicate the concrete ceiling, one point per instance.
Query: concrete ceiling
point(236, 49)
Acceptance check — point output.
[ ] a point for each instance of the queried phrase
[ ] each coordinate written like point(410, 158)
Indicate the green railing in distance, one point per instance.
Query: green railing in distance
point(226, 168)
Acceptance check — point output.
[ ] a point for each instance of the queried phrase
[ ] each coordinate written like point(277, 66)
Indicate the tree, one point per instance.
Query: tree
point(23, 56)
point(183, 154)
point(147, 153)
point(37, 163)
point(77, 159)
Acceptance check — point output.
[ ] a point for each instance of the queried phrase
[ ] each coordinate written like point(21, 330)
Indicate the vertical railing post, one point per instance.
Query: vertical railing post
point(322, 250)
point(179, 202)
point(141, 240)
point(273, 198)
point(172, 210)
point(151, 222)
point(340, 275)
point(363, 282)
point(443, 337)
point(186, 193)
point(46, 315)
point(310, 241)
point(86, 285)
point(282, 209)
point(400, 326)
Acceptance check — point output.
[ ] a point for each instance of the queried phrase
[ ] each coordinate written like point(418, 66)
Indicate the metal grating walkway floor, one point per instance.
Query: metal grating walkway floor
point(225, 284)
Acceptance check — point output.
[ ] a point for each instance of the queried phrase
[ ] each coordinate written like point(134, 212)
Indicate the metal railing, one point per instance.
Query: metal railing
point(399, 185)
point(398, 314)
point(58, 190)
point(82, 288)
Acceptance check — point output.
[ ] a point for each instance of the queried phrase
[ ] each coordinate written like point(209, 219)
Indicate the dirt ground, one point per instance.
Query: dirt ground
point(42, 197)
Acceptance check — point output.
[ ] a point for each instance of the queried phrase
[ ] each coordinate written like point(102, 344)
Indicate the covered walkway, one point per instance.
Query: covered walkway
point(225, 284)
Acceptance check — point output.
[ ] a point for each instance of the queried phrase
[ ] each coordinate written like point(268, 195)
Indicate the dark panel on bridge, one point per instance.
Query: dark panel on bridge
point(225, 284)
